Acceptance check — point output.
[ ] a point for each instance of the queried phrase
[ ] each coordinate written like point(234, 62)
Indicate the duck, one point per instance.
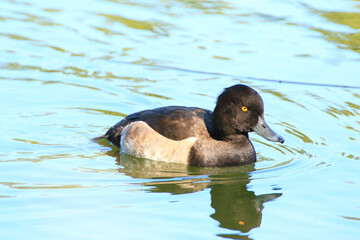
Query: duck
point(197, 136)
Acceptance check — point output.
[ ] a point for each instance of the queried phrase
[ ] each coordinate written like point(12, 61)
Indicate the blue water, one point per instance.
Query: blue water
point(69, 70)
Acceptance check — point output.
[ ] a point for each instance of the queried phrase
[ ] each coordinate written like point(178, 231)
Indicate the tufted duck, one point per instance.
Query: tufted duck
point(197, 136)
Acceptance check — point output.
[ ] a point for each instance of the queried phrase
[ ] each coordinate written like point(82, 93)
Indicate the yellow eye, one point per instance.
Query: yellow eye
point(244, 108)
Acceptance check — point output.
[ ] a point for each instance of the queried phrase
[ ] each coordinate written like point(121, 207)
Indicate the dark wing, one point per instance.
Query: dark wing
point(173, 122)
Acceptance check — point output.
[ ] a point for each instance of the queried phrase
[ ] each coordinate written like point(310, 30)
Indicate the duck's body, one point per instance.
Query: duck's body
point(197, 136)
point(141, 140)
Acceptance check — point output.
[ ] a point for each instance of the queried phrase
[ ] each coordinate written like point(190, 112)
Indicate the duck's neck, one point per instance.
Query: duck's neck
point(224, 134)
point(239, 137)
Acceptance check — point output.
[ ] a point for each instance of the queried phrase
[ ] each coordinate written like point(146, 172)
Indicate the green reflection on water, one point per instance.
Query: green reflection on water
point(51, 10)
point(351, 218)
point(42, 186)
point(345, 40)
point(101, 111)
point(153, 26)
point(38, 20)
point(35, 142)
point(135, 90)
point(70, 70)
point(4, 196)
point(336, 112)
point(107, 31)
point(17, 37)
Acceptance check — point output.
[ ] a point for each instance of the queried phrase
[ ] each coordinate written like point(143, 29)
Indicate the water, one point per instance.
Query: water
point(71, 69)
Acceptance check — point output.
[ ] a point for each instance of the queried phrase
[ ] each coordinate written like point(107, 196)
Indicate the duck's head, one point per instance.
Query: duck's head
point(239, 110)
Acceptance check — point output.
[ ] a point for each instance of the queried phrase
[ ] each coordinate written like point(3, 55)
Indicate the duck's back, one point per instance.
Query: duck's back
point(174, 122)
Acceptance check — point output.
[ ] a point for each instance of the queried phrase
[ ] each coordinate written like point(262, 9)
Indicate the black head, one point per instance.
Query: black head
point(239, 110)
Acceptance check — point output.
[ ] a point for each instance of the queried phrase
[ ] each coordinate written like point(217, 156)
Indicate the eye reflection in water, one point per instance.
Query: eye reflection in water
point(235, 207)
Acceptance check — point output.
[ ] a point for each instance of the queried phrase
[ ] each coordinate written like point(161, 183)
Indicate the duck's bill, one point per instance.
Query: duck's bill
point(266, 132)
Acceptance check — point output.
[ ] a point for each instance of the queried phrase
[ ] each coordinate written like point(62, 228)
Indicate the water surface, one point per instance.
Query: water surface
point(71, 69)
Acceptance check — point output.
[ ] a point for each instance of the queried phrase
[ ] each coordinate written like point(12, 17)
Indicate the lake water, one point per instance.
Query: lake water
point(69, 70)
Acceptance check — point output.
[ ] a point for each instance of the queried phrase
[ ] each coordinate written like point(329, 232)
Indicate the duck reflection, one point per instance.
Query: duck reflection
point(236, 208)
